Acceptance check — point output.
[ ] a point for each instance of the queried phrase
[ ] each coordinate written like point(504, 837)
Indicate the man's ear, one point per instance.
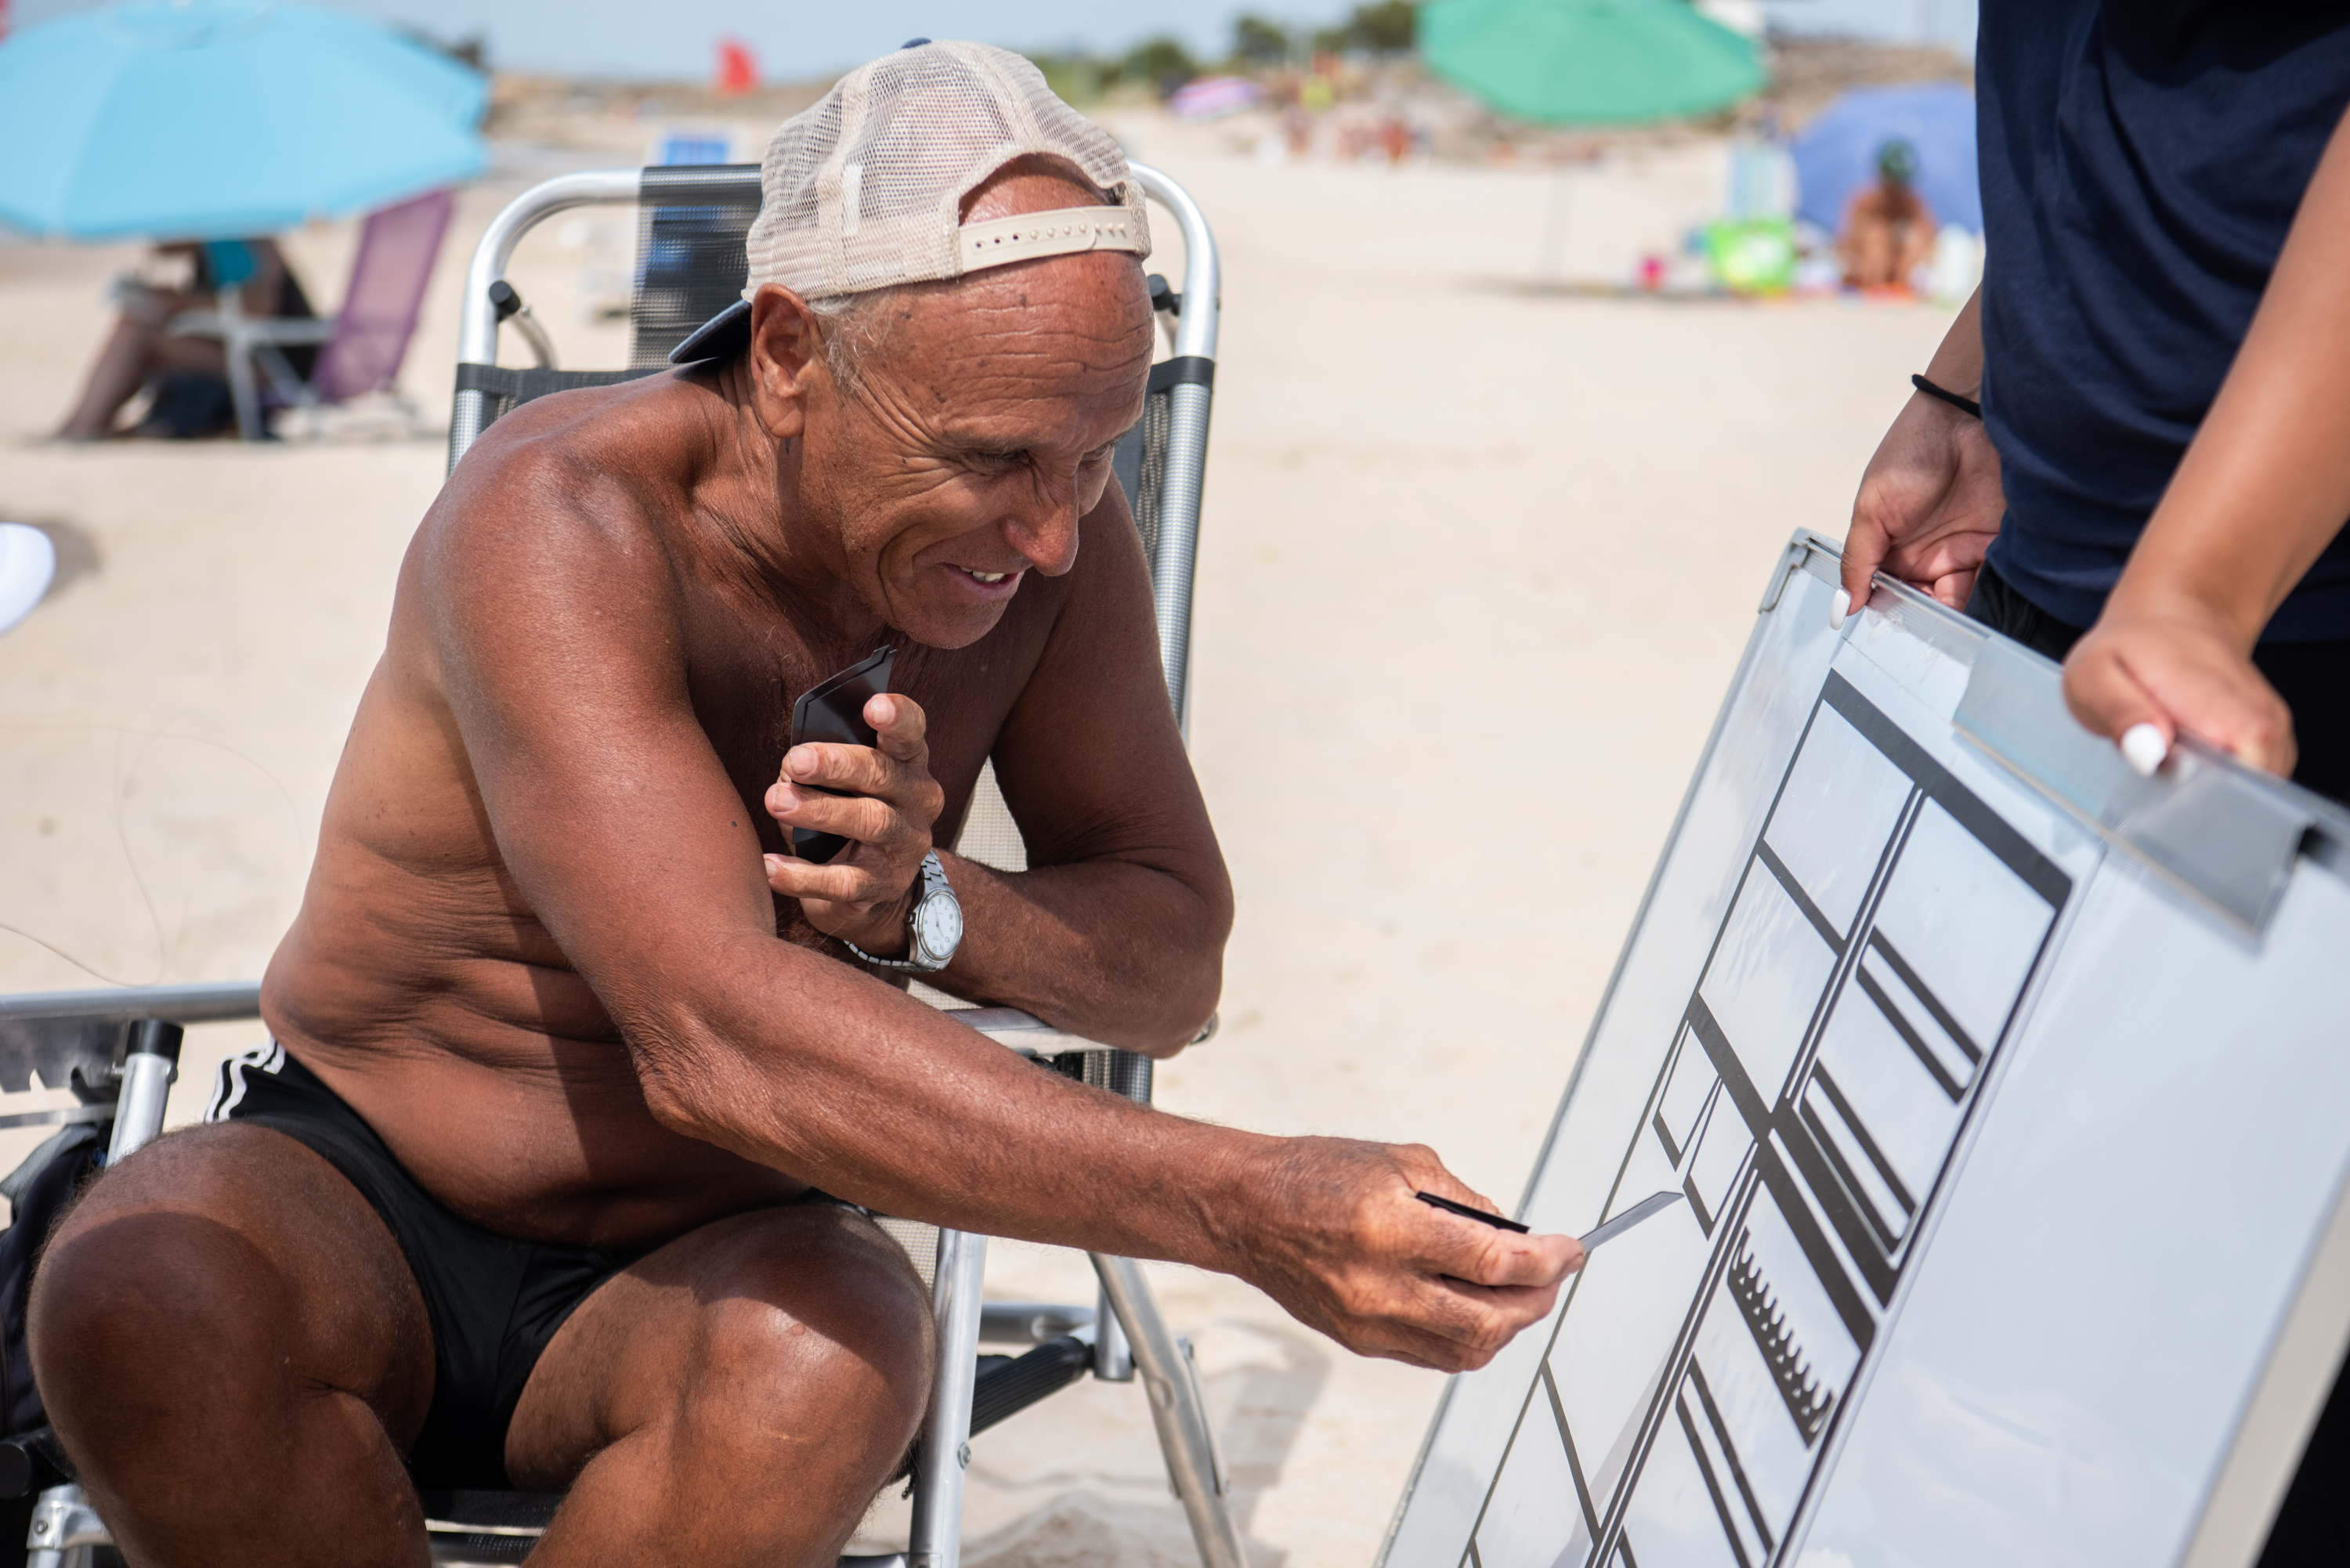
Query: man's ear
point(787, 344)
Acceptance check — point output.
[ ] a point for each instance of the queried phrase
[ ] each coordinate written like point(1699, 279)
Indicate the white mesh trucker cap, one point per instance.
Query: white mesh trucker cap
point(864, 189)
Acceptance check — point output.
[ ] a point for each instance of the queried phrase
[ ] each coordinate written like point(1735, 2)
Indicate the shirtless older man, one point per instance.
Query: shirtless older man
point(532, 1186)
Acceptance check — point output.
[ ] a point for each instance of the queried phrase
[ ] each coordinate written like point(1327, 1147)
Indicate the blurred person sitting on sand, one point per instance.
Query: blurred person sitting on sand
point(557, 1172)
point(1888, 230)
point(188, 375)
point(2128, 452)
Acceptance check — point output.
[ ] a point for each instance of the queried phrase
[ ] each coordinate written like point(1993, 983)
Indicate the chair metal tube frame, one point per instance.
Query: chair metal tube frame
point(1179, 1412)
point(1187, 436)
point(211, 1003)
point(1113, 1356)
point(477, 319)
point(936, 1538)
point(149, 1069)
point(64, 1529)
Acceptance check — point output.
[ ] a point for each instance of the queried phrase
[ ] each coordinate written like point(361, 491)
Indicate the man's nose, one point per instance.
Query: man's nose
point(1045, 530)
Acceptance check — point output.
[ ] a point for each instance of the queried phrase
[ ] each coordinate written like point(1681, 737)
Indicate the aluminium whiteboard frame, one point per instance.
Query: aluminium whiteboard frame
point(2013, 712)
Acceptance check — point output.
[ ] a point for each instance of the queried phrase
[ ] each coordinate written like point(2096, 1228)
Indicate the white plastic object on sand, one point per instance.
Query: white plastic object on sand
point(28, 562)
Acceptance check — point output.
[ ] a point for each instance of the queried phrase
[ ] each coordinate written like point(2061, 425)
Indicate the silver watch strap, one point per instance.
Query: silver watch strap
point(933, 883)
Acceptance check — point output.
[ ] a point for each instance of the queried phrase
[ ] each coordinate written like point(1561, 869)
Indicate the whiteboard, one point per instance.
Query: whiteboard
point(2008, 1090)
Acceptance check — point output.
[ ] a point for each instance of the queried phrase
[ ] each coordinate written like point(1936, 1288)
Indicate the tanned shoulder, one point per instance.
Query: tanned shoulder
point(591, 460)
point(553, 526)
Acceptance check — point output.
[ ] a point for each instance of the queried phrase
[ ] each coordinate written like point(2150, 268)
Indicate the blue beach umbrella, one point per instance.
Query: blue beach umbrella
point(1836, 153)
point(196, 120)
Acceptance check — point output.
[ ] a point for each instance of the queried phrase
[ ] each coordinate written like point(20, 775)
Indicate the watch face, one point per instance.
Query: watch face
point(938, 929)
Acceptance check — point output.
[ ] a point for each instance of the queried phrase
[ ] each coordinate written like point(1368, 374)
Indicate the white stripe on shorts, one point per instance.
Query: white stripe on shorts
point(228, 1089)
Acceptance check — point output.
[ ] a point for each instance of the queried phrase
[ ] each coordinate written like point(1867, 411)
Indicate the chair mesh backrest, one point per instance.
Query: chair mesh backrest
point(921, 1242)
point(1141, 463)
point(690, 266)
point(397, 249)
point(505, 389)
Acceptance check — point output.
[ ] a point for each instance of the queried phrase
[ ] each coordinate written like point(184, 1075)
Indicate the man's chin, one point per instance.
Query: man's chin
point(949, 625)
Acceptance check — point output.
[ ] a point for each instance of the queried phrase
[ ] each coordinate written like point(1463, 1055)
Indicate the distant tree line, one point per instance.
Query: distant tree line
point(1384, 28)
point(1164, 64)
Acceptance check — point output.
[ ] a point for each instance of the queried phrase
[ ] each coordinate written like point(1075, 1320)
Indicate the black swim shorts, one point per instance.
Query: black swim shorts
point(495, 1303)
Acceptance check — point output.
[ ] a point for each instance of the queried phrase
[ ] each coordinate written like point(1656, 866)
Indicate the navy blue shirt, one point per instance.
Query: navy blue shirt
point(2141, 163)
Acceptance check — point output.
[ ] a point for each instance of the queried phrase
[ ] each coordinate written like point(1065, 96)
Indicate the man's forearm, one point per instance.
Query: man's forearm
point(800, 1064)
point(804, 1066)
point(2266, 483)
point(1116, 951)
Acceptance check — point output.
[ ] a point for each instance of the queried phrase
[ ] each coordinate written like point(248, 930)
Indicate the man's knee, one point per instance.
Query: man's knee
point(199, 1280)
point(146, 1310)
point(821, 1307)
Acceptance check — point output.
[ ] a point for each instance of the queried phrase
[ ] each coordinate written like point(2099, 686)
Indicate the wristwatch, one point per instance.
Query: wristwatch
point(933, 927)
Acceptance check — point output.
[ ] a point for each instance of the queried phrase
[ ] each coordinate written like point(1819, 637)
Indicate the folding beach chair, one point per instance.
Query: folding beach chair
point(361, 345)
point(690, 266)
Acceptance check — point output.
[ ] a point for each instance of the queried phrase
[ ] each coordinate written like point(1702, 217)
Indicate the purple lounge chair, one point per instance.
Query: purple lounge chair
point(363, 344)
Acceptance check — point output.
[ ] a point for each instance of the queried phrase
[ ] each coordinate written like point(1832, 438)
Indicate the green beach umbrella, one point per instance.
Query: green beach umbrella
point(1588, 62)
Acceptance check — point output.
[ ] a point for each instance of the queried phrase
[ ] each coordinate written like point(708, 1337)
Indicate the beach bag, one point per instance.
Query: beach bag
point(187, 406)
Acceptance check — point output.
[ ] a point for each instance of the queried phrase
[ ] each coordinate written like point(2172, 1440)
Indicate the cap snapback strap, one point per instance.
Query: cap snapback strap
point(1000, 242)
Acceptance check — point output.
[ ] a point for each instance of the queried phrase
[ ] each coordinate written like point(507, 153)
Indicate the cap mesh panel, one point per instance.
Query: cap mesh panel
point(864, 189)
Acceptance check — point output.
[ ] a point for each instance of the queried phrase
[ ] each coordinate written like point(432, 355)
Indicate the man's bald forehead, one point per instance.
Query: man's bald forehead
point(1091, 308)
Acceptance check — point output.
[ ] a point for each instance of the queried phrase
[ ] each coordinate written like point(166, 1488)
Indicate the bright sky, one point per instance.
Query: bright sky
point(797, 38)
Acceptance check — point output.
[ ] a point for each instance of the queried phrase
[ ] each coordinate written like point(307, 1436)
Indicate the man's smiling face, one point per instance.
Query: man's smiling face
point(977, 427)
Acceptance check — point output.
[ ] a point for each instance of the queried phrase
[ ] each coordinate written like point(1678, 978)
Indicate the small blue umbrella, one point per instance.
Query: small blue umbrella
point(1836, 153)
point(214, 119)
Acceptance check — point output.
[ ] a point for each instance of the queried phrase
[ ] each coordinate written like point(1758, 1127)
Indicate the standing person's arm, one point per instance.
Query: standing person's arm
point(1930, 501)
point(2260, 493)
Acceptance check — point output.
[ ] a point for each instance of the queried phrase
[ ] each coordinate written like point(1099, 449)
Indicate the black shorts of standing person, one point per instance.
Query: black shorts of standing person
point(188, 375)
point(2128, 452)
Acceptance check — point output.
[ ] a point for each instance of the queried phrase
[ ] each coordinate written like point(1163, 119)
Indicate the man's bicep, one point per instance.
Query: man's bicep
point(563, 666)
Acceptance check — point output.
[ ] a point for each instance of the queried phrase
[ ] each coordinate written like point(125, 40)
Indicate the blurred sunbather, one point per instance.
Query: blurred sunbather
point(1888, 230)
point(143, 351)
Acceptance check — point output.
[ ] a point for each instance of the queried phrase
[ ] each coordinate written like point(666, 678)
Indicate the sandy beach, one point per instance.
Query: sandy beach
point(1478, 560)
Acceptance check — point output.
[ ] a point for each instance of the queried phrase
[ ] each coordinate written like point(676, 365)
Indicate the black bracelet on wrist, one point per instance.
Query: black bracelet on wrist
point(1964, 405)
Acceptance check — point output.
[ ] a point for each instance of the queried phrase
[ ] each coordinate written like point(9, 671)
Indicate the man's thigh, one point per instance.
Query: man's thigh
point(222, 1312)
point(795, 1320)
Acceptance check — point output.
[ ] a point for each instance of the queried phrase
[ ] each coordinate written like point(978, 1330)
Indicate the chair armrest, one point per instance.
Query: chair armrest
point(290, 331)
point(286, 330)
point(1024, 1032)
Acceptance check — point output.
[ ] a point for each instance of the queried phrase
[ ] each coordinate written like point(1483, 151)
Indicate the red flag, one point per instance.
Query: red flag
point(738, 69)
